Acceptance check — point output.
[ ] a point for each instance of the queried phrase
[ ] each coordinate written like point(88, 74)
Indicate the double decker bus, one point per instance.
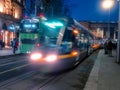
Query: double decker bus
point(28, 34)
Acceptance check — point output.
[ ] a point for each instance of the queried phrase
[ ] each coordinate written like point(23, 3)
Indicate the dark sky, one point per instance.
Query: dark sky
point(91, 10)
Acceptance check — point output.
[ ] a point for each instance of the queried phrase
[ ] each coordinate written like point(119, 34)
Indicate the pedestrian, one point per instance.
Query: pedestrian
point(105, 47)
point(110, 47)
point(15, 45)
point(2, 44)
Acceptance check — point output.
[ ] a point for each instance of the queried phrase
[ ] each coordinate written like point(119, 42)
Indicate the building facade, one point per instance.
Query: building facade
point(47, 7)
point(11, 12)
point(102, 29)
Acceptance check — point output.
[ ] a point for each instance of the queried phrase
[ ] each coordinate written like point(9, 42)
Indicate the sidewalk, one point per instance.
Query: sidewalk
point(105, 74)
point(6, 52)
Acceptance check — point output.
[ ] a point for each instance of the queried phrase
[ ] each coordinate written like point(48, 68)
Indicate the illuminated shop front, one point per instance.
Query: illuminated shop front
point(10, 13)
point(6, 36)
point(7, 33)
point(98, 32)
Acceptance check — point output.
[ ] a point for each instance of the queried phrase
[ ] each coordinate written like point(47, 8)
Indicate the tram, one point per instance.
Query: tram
point(62, 40)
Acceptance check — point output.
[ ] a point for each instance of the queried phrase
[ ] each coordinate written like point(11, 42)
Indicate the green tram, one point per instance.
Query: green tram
point(28, 34)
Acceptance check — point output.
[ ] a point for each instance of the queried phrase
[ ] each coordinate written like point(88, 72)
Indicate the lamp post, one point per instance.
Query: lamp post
point(38, 6)
point(118, 41)
point(107, 4)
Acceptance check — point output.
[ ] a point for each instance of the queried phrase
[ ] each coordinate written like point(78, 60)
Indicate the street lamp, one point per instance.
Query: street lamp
point(118, 41)
point(38, 4)
point(107, 4)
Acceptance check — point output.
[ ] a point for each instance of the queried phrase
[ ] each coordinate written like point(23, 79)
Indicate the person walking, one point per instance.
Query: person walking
point(15, 45)
point(105, 47)
point(110, 47)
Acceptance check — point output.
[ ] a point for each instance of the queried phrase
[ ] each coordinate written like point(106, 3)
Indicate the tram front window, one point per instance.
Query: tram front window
point(28, 41)
point(50, 35)
point(29, 27)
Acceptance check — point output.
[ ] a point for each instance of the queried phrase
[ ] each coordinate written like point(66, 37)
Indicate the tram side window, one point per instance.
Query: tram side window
point(91, 41)
point(68, 36)
point(68, 41)
point(83, 41)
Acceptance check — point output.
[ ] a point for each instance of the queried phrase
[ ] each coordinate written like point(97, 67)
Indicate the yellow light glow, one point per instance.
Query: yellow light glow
point(75, 31)
point(6, 37)
point(1, 8)
point(107, 4)
point(16, 15)
point(74, 53)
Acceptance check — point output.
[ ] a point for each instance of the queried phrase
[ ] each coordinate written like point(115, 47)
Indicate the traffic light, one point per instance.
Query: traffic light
point(41, 15)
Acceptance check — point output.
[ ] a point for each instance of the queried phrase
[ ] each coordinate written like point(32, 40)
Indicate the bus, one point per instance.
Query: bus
point(29, 33)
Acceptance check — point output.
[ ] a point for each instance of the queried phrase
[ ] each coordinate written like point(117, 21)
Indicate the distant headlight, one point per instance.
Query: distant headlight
point(51, 58)
point(36, 56)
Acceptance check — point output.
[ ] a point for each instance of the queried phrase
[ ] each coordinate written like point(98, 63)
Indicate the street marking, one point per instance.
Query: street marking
point(14, 69)
point(11, 63)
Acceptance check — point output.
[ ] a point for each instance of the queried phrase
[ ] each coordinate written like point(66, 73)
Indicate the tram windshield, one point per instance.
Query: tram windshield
point(50, 31)
point(49, 35)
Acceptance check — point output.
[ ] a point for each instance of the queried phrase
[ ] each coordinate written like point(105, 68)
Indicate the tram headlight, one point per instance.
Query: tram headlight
point(36, 56)
point(51, 58)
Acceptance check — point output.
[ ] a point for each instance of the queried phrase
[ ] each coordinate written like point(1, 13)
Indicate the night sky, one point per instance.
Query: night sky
point(91, 10)
point(83, 10)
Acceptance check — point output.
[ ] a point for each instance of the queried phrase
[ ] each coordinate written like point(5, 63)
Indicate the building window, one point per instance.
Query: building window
point(7, 7)
point(1, 7)
point(13, 9)
point(19, 1)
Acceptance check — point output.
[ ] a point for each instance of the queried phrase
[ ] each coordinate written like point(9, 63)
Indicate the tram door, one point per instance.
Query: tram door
point(70, 41)
point(83, 44)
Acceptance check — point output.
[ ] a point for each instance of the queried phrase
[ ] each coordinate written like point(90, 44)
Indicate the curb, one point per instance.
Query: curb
point(12, 55)
point(92, 82)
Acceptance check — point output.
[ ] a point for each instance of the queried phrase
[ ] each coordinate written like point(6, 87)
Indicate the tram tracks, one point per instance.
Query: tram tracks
point(16, 79)
point(27, 75)
point(10, 66)
point(13, 67)
point(12, 59)
point(33, 80)
point(14, 71)
point(37, 81)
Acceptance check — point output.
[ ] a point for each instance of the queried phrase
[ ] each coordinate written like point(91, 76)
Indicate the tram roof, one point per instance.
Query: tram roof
point(82, 27)
point(70, 20)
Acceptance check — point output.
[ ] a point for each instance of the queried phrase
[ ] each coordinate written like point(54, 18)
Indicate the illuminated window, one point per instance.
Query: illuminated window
point(13, 10)
point(7, 7)
point(19, 1)
point(1, 7)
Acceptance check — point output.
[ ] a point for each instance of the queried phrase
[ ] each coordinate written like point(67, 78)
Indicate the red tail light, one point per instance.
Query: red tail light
point(18, 43)
point(38, 45)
